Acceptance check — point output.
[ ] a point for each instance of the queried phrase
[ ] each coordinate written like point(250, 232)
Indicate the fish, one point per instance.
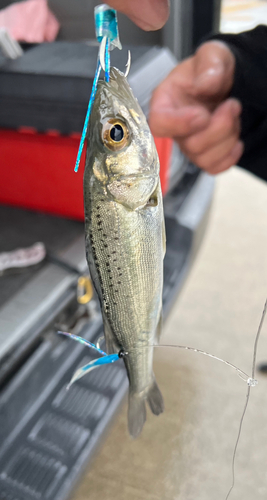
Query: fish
point(125, 237)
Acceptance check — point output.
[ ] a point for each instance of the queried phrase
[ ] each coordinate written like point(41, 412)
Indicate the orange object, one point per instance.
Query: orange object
point(37, 171)
point(164, 149)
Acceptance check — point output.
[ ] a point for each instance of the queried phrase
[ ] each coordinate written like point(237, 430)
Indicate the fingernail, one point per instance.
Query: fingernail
point(209, 73)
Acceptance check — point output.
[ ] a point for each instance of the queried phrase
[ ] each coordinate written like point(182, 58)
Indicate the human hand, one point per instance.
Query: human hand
point(147, 14)
point(192, 106)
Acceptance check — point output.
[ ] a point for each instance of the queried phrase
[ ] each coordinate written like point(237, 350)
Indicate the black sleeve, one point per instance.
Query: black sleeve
point(250, 87)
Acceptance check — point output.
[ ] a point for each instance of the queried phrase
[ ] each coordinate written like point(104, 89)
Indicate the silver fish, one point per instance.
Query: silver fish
point(125, 236)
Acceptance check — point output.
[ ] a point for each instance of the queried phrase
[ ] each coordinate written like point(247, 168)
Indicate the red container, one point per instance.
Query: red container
point(37, 171)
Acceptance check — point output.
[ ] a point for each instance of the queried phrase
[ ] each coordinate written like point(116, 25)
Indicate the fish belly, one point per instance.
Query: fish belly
point(125, 257)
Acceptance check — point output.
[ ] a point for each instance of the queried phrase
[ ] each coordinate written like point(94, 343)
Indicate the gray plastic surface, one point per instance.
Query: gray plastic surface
point(48, 434)
point(50, 85)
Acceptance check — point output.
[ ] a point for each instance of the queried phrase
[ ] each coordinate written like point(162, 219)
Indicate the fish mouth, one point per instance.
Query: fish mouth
point(131, 180)
point(119, 177)
point(150, 172)
point(133, 190)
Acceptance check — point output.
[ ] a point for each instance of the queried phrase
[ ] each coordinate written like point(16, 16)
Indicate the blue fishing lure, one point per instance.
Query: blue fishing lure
point(106, 359)
point(107, 34)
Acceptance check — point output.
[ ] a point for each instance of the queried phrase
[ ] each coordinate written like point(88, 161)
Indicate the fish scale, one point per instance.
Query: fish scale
point(132, 286)
point(125, 236)
point(130, 301)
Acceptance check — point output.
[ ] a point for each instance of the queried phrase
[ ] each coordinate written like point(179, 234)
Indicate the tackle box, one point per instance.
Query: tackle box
point(43, 102)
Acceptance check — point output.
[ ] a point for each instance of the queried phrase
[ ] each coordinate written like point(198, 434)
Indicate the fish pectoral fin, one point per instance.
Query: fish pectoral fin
point(155, 399)
point(136, 413)
point(111, 344)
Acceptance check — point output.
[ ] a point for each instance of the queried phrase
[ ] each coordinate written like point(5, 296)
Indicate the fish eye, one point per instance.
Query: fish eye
point(115, 134)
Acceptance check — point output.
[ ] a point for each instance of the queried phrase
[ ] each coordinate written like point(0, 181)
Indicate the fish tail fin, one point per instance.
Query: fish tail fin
point(155, 399)
point(136, 413)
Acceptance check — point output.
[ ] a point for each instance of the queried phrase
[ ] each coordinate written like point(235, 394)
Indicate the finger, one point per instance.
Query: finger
point(214, 65)
point(173, 110)
point(228, 162)
point(181, 122)
point(222, 155)
point(225, 123)
point(215, 155)
point(147, 14)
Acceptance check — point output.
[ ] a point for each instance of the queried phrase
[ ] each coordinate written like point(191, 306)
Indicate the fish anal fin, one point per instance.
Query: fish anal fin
point(155, 399)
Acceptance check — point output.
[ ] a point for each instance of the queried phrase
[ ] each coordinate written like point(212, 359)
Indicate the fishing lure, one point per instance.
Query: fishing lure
point(107, 34)
point(106, 358)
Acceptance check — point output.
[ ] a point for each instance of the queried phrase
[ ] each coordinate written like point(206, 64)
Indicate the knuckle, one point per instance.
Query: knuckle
point(226, 125)
point(185, 151)
point(205, 161)
point(217, 167)
point(181, 143)
point(194, 146)
point(209, 163)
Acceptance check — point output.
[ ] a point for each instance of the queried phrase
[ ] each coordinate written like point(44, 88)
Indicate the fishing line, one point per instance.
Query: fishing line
point(244, 376)
point(240, 372)
point(255, 349)
point(251, 382)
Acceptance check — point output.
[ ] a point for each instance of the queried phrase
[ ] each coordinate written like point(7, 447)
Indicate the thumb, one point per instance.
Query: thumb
point(214, 66)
